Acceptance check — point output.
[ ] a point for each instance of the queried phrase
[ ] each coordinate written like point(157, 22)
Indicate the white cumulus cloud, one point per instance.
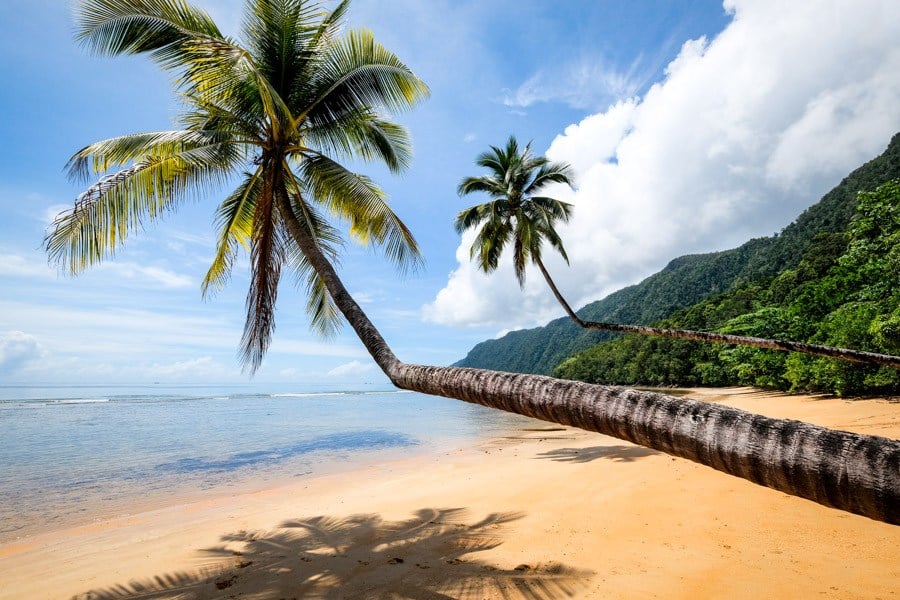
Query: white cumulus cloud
point(17, 349)
point(744, 132)
point(351, 369)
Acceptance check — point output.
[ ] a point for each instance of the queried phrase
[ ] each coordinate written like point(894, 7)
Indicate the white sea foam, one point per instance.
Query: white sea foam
point(308, 395)
point(79, 401)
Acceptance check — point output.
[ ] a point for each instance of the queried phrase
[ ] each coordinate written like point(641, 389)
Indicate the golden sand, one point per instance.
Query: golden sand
point(547, 512)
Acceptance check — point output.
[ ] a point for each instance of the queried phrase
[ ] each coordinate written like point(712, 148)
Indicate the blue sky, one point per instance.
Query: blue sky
point(692, 126)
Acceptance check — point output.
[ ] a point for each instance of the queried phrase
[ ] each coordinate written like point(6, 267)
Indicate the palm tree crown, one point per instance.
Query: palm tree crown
point(516, 211)
point(277, 110)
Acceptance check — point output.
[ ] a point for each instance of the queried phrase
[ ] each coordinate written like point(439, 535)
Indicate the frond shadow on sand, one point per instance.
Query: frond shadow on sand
point(430, 556)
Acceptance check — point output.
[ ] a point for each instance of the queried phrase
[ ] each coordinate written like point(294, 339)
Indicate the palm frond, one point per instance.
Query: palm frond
point(280, 35)
point(357, 72)
point(551, 236)
point(513, 211)
point(362, 135)
point(550, 173)
point(356, 199)
point(556, 210)
point(117, 205)
point(329, 26)
point(235, 222)
point(472, 217)
point(486, 184)
point(220, 72)
point(135, 26)
point(520, 259)
point(210, 148)
point(267, 256)
point(325, 319)
point(490, 242)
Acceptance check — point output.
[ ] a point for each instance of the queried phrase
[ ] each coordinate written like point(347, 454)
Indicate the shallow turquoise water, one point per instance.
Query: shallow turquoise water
point(73, 453)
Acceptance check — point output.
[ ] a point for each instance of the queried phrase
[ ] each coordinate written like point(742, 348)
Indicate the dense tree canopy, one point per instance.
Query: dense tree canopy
point(844, 292)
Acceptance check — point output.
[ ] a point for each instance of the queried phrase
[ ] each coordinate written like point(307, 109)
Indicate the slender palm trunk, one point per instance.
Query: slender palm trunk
point(559, 297)
point(852, 472)
point(365, 330)
point(860, 356)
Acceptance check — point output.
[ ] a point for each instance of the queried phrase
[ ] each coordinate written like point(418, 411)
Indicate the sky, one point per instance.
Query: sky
point(691, 126)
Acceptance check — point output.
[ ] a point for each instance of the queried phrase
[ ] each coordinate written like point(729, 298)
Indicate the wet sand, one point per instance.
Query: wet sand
point(542, 512)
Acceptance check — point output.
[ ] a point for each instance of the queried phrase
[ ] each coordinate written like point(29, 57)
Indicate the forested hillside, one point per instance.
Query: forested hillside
point(688, 280)
point(844, 292)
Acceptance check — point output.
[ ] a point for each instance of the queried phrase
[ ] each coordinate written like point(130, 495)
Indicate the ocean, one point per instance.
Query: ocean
point(72, 455)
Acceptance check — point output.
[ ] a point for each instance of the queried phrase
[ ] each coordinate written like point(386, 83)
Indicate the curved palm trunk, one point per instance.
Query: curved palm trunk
point(852, 472)
point(872, 358)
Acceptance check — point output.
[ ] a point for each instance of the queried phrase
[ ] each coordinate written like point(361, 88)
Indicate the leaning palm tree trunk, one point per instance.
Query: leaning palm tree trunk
point(860, 356)
point(852, 472)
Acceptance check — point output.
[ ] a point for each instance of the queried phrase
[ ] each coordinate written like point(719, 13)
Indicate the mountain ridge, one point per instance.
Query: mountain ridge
point(686, 280)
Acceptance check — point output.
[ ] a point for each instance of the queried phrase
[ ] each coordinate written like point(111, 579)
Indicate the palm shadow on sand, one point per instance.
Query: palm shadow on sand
point(620, 452)
point(431, 556)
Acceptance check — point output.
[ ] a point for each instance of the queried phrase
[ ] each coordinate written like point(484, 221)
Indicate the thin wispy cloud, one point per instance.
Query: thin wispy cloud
point(24, 266)
point(203, 368)
point(150, 276)
point(589, 83)
point(324, 348)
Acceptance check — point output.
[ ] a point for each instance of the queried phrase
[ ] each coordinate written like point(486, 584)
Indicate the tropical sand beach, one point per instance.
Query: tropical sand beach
point(541, 512)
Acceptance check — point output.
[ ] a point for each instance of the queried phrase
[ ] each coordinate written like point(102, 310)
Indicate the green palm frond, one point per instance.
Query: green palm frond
point(222, 73)
point(363, 135)
point(159, 27)
point(514, 211)
point(489, 243)
point(550, 173)
point(355, 72)
point(235, 221)
point(471, 217)
point(117, 205)
point(278, 109)
point(550, 235)
point(325, 319)
point(330, 25)
point(202, 148)
point(356, 199)
point(555, 210)
point(267, 257)
point(281, 35)
point(486, 184)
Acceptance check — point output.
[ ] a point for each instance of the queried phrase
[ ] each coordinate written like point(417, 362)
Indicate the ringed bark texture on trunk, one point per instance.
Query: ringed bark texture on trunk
point(852, 472)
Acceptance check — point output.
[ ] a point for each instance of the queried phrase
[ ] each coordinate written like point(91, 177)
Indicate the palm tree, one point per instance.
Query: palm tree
point(276, 111)
point(516, 212)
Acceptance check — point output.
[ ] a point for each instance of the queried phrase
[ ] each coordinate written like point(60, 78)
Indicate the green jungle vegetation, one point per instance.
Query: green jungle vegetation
point(830, 277)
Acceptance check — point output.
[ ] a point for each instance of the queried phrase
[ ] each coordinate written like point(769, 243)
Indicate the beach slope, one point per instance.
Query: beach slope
point(542, 512)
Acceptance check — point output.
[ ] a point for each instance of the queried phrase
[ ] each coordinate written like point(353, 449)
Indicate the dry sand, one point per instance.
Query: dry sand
point(554, 513)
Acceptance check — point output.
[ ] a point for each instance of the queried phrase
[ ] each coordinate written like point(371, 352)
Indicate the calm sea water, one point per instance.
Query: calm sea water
point(73, 454)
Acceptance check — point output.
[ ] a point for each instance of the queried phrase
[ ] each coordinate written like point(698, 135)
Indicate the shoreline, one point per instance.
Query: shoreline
point(569, 512)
